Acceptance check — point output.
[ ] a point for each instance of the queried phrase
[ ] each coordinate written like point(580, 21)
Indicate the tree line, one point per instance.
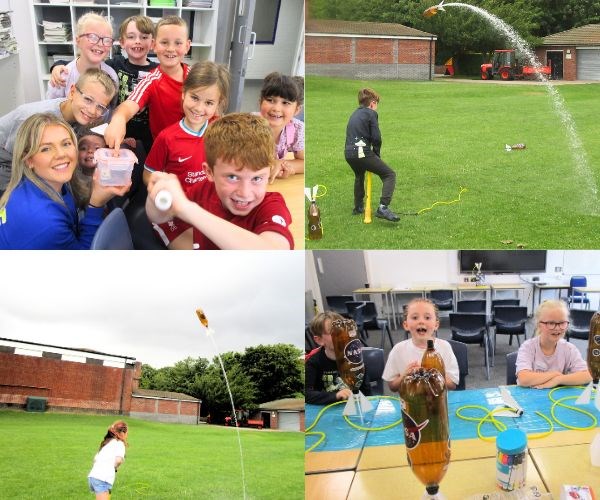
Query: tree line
point(260, 374)
point(461, 31)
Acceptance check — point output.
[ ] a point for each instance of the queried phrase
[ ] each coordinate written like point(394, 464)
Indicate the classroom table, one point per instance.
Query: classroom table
point(292, 190)
point(587, 290)
point(546, 286)
point(378, 467)
point(385, 293)
point(417, 289)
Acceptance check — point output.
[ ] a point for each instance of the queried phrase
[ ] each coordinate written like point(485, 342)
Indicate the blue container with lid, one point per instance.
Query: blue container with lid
point(511, 459)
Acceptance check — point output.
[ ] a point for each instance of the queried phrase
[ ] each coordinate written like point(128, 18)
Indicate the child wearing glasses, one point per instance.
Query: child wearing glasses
point(94, 40)
point(136, 37)
point(85, 104)
point(160, 92)
point(548, 360)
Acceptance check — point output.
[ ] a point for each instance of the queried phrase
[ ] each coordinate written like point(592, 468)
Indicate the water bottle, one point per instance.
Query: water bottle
point(433, 359)
point(426, 431)
point(593, 354)
point(348, 353)
point(511, 459)
point(315, 229)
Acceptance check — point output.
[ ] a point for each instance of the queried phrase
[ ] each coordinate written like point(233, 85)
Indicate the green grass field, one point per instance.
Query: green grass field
point(441, 135)
point(49, 455)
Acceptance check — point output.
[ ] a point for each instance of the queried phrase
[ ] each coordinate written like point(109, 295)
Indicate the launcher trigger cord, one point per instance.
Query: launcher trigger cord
point(324, 191)
point(462, 190)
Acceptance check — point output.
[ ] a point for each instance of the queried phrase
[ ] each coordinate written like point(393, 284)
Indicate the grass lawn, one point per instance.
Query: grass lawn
point(49, 455)
point(441, 135)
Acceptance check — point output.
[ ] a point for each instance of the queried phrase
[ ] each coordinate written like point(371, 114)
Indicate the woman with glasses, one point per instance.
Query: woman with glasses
point(85, 105)
point(548, 360)
point(94, 41)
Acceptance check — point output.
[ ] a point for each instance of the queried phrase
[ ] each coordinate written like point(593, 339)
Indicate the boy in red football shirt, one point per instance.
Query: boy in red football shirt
point(233, 210)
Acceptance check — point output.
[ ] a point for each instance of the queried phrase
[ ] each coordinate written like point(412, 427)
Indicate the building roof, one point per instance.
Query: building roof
point(148, 393)
point(335, 27)
point(284, 404)
point(584, 35)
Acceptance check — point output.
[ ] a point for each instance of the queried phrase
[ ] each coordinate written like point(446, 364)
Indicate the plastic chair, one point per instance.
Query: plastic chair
point(371, 321)
point(511, 375)
point(510, 320)
point(460, 351)
point(472, 328)
point(354, 311)
point(142, 234)
point(443, 299)
point(374, 365)
point(579, 327)
point(113, 233)
point(309, 341)
point(501, 303)
point(471, 306)
point(574, 297)
point(337, 303)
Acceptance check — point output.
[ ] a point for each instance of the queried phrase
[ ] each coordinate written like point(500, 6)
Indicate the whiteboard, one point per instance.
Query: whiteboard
point(586, 262)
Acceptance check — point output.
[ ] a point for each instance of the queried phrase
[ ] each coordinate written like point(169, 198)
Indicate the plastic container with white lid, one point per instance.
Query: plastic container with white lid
point(114, 170)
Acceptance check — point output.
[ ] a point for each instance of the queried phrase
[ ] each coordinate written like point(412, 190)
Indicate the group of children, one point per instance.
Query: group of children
point(171, 114)
point(544, 361)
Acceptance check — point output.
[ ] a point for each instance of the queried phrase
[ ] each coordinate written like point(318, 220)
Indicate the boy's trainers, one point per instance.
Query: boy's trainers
point(385, 213)
point(358, 210)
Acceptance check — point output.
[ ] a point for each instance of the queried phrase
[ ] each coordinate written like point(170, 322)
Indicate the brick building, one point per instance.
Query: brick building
point(82, 381)
point(364, 50)
point(573, 54)
point(284, 414)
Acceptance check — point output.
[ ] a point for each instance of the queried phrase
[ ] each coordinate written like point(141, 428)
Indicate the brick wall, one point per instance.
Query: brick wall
point(369, 58)
point(569, 65)
point(165, 410)
point(66, 384)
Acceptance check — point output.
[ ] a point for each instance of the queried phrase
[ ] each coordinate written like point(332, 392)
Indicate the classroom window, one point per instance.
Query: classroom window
point(264, 25)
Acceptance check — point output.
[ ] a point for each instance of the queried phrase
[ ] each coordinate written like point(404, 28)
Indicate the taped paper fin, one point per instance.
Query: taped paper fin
point(307, 194)
point(510, 402)
point(357, 402)
point(586, 396)
point(100, 129)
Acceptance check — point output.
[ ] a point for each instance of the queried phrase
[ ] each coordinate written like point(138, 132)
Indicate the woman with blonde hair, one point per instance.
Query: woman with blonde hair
point(38, 210)
point(548, 360)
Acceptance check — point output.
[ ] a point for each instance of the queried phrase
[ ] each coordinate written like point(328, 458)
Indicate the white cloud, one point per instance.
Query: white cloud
point(142, 304)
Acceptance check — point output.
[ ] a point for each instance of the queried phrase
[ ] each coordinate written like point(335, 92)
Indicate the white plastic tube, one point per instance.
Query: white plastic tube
point(163, 200)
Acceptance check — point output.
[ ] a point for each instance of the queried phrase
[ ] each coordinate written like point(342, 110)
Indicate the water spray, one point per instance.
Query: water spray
point(590, 201)
point(210, 334)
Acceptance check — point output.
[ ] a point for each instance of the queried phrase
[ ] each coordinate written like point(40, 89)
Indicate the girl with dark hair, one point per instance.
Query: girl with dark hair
point(281, 100)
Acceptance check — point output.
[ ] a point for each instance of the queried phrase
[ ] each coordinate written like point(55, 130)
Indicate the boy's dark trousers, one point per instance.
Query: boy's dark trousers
point(376, 165)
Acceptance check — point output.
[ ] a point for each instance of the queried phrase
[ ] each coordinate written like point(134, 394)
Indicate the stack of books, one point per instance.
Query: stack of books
point(56, 32)
point(8, 43)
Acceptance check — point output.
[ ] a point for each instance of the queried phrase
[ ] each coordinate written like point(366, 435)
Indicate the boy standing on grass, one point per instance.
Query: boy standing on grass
point(161, 90)
point(362, 152)
point(233, 210)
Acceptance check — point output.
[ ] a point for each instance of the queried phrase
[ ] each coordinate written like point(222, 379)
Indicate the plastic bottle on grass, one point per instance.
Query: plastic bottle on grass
point(315, 229)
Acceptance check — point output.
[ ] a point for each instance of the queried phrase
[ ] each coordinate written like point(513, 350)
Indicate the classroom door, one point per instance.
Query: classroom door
point(340, 272)
point(243, 40)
